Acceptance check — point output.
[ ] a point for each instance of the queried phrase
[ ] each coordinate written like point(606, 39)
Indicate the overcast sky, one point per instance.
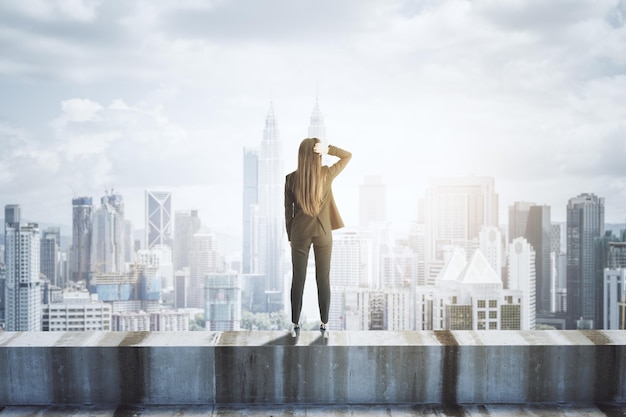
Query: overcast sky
point(132, 95)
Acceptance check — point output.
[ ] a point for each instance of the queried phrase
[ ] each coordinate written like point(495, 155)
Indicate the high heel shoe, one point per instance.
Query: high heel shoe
point(324, 330)
point(295, 332)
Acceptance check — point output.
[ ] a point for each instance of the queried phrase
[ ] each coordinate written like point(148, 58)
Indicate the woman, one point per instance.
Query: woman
point(310, 217)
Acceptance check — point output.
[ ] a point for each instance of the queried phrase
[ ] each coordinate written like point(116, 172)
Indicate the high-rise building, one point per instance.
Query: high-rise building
point(456, 210)
point(346, 271)
point(372, 201)
point(108, 235)
point(222, 309)
point(398, 267)
point(532, 222)
point(271, 218)
point(539, 236)
point(346, 267)
point(204, 259)
point(492, 246)
point(616, 256)
point(614, 305)
point(181, 288)
point(139, 289)
point(609, 259)
point(158, 218)
point(316, 127)
point(585, 222)
point(129, 242)
point(614, 299)
point(186, 223)
point(518, 219)
point(80, 256)
point(3, 279)
point(249, 255)
point(522, 277)
point(159, 257)
point(417, 241)
point(49, 255)
point(23, 286)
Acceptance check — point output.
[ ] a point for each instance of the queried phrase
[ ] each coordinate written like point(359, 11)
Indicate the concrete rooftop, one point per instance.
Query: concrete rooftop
point(480, 410)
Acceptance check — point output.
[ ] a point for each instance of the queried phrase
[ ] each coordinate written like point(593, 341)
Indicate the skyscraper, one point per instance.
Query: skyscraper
point(372, 201)
point(614, 305)
point(456, 210)
point(23, 291)
point(204, 259)
point(585, 222)
point(80, 258)
point(492, 246)
point(522, 277)
point(539, 235)
point(250, 202)
point(49, 255)
point(186, 223)
point(271, 209)
point(158, 218)
point(222, 301)
point(532, 222)
point(316, 127)
point(518, 219)
point(108, 235)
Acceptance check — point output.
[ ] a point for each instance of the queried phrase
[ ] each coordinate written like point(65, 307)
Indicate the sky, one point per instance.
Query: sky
point(130, 95)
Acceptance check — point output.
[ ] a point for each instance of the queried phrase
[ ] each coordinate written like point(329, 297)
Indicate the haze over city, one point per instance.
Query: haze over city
point(101, 95)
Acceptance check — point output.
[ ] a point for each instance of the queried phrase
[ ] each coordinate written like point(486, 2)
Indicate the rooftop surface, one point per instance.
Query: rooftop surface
point(500, 410)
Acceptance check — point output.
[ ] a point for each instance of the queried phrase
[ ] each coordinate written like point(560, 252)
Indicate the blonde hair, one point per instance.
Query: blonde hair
point(309, 178)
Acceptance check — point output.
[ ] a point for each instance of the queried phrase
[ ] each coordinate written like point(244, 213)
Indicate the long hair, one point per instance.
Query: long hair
point(309, 178)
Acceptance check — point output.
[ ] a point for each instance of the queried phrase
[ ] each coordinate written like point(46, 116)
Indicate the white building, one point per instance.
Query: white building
point(521, 273)
point(355, 265)
point(169, 321)
point(372, 309)
point(614, 298)
point(23, 286)
point(131, 322)
point(491, 243)
point(76, 315)
point(346, 267)
point(467, 296)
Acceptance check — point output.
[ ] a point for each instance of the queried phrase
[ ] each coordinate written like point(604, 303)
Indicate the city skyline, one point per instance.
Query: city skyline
point(145, 96)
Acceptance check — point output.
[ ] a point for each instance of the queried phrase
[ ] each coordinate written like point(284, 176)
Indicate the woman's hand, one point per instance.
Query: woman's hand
point(320, 149)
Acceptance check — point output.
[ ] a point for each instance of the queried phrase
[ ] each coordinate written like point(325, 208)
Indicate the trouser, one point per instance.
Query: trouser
point(322, 248)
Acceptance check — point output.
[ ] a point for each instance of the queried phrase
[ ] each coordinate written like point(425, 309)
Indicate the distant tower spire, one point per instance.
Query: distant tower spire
point(317, 128)
point(270, 233)
point(271, 126)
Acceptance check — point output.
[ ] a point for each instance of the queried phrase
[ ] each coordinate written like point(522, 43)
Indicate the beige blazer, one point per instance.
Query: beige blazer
point(301, 226)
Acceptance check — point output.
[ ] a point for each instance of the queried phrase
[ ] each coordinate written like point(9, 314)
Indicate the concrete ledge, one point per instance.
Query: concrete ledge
point(186, 368)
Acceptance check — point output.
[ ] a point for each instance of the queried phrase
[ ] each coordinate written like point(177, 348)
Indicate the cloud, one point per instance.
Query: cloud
point(168, 93)
point(49, 10)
